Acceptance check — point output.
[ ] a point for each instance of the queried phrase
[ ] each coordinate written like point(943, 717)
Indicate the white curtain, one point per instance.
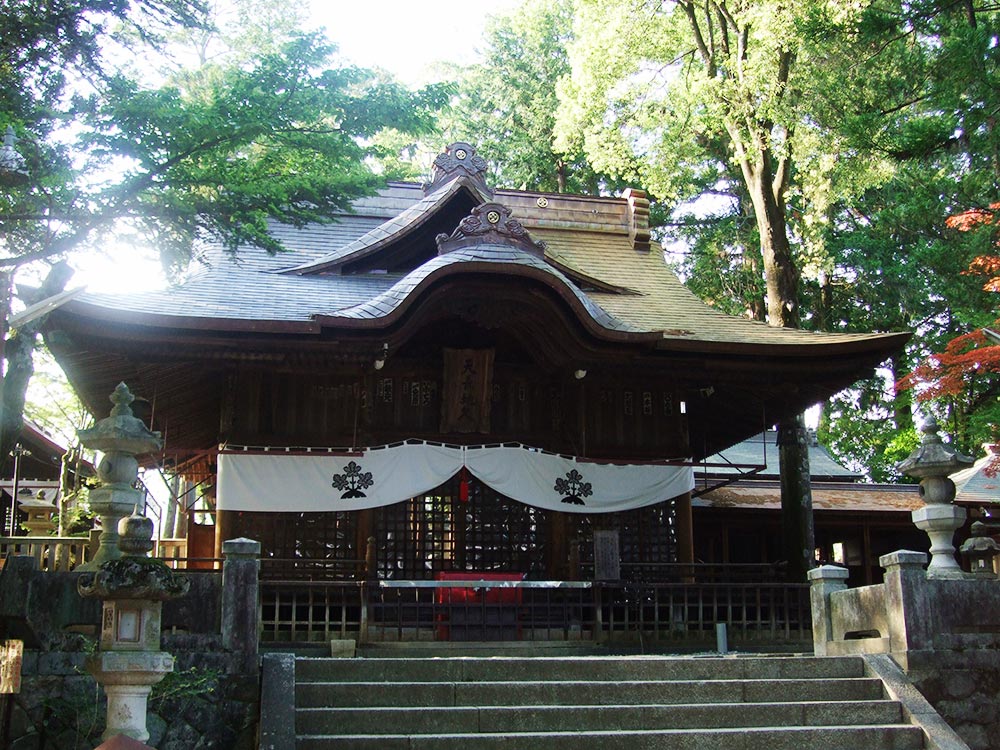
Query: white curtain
point(575, 485)
point(285, 481)
point(331, 481)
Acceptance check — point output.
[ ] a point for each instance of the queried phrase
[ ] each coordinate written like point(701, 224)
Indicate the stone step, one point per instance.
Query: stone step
point(496, 719)
point(595, 668)
point(578, 692)
point(878, 737)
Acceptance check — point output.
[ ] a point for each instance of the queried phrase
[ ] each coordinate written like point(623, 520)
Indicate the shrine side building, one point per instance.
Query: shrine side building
point(475, 379)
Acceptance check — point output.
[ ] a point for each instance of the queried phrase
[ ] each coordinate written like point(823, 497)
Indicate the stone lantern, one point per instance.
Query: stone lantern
point(980, 549)
point(133, 586)
point(129, 661)
point(932, 462)
point(120, 437)
point(38, 512)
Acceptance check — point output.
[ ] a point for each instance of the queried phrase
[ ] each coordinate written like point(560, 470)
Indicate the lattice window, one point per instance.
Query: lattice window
point(646, 535)
point(318, 545)
point(649, 535)
point(438, 532)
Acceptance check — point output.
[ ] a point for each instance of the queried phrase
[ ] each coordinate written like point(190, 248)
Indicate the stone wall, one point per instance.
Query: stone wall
point(202, 705)
point(211, 700)
point(963, 684)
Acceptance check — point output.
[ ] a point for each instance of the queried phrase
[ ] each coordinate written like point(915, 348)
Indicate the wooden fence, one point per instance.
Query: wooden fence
point(52, 553)
point(684, 614)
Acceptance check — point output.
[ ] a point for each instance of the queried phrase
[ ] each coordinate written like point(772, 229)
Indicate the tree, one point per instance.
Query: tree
point(507, 105)
point(867, 124)
point(689, 91)
point(963, 377)
point(214, 153)
point(927, 115)
point(985, 221)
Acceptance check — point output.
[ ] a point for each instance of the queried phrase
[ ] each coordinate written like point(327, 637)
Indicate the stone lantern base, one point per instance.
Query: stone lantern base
point(940, 522)
point(127, 678)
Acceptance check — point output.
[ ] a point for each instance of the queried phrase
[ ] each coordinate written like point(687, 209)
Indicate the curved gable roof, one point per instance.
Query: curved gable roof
point(396, 230)
point(488, 259)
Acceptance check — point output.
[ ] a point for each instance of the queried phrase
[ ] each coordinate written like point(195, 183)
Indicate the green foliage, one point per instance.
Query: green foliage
point(51, 403)
point(271, 132)
point(884, 116)
point(178, 689)
point(859, 428)
point(507, 104)
point(79, 518)
point(72, 719)
point(218, 152)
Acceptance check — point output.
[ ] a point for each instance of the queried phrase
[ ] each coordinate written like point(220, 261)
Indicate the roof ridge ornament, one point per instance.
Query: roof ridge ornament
point(490, 224)
point(458, 160)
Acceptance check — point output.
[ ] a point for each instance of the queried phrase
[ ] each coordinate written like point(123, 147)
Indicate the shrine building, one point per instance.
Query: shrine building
point(477, 380)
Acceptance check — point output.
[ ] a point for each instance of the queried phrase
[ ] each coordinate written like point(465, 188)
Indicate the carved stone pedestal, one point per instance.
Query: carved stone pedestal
point(127, 678)
point(940, 522)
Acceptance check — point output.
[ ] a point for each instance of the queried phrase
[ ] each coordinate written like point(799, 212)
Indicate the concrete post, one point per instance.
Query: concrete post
point(277, 702)
point(909, 611)
point(240, 600)
point(824, 581)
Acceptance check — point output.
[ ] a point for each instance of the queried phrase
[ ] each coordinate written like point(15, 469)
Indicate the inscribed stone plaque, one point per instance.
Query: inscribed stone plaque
point(607, 560)
point(11, 655)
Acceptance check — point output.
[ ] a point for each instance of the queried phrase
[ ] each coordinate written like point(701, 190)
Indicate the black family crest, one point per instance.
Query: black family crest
point(573, 488)
point(353, 480)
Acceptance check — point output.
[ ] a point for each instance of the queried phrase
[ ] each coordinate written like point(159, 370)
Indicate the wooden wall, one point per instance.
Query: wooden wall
point(603, 415)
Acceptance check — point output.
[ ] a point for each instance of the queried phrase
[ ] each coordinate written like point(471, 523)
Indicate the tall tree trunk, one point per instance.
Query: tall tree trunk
point(561, 177)
point(782, 281)
point(798, 531)
point(766, 175)
point(19, 350)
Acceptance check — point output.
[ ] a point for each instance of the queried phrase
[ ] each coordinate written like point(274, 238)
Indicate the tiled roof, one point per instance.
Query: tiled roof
point(587, 236)
point(832, 496)
point(237, 294)
point(393, 229)
point(838, 490)
point(973, 485)
point(762, 450)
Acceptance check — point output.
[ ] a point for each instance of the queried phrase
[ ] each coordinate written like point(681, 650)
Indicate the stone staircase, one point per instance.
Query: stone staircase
point(632, 703)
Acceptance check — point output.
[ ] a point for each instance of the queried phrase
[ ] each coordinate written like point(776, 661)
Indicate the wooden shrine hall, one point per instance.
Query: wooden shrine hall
point(479, 380)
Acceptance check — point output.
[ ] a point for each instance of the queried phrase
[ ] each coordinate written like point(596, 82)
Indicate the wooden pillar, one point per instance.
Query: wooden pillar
point(224, 524)
point(364, 530)
point(558, 546)
point(685, 529)
point(866, 551)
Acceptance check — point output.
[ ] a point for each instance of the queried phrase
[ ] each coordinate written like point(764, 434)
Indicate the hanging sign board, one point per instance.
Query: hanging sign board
point(11, 657)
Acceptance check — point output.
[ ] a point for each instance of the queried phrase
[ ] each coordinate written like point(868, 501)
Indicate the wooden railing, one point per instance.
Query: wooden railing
point(699, 572)
point(684, 614)
point(52, 553)
point(311, 611)
point(171, 549)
